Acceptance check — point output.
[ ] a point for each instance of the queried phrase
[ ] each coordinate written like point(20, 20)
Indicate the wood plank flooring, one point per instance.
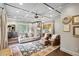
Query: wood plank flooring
point(58, 52)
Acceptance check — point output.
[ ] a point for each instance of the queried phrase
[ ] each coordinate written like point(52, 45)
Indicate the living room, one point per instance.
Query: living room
point(37, 29)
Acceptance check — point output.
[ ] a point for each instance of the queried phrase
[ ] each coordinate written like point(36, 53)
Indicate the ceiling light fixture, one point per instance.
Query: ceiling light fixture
point(49, 8)
point(50, 15)
point(20, 3)
point(17, 11)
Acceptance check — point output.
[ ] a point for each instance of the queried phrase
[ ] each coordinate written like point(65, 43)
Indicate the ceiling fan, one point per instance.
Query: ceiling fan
point(39, 15)
point(36, 14)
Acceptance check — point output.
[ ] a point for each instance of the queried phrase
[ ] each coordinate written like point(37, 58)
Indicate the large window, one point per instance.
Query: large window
point(28, 29)
point(22, 28)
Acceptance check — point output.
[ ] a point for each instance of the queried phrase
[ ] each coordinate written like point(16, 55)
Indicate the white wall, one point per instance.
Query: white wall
point(69, 43)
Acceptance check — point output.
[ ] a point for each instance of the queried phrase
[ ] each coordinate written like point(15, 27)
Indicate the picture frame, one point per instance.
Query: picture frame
point(67, 28)
point(66, 20)
point(76, 31)
point(75, 20)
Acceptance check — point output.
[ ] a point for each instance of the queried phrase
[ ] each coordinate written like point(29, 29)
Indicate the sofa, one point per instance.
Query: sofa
point(29, 39)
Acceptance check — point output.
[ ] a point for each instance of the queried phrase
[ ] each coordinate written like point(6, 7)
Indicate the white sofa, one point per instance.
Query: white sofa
point(24, 39)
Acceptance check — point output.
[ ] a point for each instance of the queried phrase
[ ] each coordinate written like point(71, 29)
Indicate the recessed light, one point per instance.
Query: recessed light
point(20, 3)
point(50, 9)
point(17, 11)
point(50, 15)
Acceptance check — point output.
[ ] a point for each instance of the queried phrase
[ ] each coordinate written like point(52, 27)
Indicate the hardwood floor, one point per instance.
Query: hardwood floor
point(58, 52)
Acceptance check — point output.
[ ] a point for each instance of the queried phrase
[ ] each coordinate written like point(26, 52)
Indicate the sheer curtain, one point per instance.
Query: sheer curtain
point(3, 29)
point(0, 27)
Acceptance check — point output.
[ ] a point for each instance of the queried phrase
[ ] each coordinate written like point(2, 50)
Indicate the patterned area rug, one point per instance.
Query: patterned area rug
point(28, 48)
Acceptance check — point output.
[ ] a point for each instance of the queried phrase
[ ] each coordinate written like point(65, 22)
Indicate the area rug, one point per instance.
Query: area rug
point(34, 48)
point(27, 49)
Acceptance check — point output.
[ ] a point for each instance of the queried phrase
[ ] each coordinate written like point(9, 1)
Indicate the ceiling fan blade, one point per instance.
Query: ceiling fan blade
point(33, 12)
point(40, 15)
point(44, 16)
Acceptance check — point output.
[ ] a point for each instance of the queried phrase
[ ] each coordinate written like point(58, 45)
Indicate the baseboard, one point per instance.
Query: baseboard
point(70, 52)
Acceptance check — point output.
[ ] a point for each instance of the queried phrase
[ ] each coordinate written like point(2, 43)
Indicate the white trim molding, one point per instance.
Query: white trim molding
point(69, 52)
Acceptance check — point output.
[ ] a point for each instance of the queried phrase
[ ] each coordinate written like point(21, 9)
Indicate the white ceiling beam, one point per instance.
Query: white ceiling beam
point(52, 8)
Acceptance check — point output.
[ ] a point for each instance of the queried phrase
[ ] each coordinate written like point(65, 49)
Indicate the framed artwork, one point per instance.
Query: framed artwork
point(67, 28)
point(11, 27)
point(76, 31)
point(66, 20)
point(47, 26)
point(75, 20)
